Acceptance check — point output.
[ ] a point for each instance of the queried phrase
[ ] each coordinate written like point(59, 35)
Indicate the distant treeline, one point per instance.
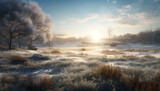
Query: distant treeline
point(148, 36)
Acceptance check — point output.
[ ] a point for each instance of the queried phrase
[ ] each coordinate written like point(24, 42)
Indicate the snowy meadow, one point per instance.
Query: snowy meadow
point(90, 68)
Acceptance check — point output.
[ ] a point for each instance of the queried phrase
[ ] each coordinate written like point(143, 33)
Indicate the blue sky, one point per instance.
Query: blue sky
point(87, 17)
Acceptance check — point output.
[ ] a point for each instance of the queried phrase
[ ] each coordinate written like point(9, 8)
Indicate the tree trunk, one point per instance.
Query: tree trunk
point(10, 41)
point(30, 42)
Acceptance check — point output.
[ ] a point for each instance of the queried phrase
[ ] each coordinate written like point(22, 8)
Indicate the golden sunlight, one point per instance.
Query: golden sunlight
point(96, 37)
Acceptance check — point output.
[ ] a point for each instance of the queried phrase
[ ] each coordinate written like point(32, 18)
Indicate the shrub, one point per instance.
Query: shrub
point(108, 72)
point(32, 48)
point(113, 44)
point(18, 60)
point(55, 51)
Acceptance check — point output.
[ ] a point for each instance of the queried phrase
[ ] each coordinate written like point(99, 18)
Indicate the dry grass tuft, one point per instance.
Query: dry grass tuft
point(148, 56)
point(129, 56)
point(55, 51)
point(18, 60)
point(108, 72)
point(84, 54)
point(82, 49)
point(111, 52)
point(46, 52)
point(45, 83)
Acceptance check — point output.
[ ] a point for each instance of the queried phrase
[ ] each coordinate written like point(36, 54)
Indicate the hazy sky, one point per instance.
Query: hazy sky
point(88, 17)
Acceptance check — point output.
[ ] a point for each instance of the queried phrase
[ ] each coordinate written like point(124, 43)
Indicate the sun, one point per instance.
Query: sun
point(96, 37)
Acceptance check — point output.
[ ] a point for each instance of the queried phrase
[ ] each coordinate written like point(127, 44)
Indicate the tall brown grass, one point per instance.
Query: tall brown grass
point(45, 83)
point(136, 84)
point(108, 72)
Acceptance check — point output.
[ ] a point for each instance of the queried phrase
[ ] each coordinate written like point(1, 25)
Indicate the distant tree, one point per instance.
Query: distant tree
point(20, 19)
point(109, 33)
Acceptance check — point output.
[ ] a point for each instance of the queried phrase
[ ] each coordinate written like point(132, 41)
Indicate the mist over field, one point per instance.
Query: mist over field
point(79, 45)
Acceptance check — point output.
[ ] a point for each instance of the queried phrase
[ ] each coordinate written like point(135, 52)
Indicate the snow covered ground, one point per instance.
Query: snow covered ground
point(75, 60)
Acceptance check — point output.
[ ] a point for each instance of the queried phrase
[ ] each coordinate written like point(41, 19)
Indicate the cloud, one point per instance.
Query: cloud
point(91, 17)
point(135, 19)
point(128, 22)
point(114, 1)
point(110, 17)
point(124, 9)
point(126, 6)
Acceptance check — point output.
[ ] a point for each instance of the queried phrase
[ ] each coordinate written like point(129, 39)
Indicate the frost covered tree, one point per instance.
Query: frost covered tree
point(41, 24)
point(21, 19)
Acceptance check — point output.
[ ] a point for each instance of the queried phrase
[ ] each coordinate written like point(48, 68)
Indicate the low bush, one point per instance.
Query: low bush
point(18, 60)
point(113, 44)
point(32, 48)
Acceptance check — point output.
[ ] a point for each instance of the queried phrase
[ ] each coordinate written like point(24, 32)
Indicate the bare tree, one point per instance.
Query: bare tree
point(9, 31)
point(109, 33)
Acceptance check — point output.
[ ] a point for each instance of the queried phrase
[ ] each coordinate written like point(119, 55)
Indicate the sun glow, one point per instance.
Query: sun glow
point(96, 37)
